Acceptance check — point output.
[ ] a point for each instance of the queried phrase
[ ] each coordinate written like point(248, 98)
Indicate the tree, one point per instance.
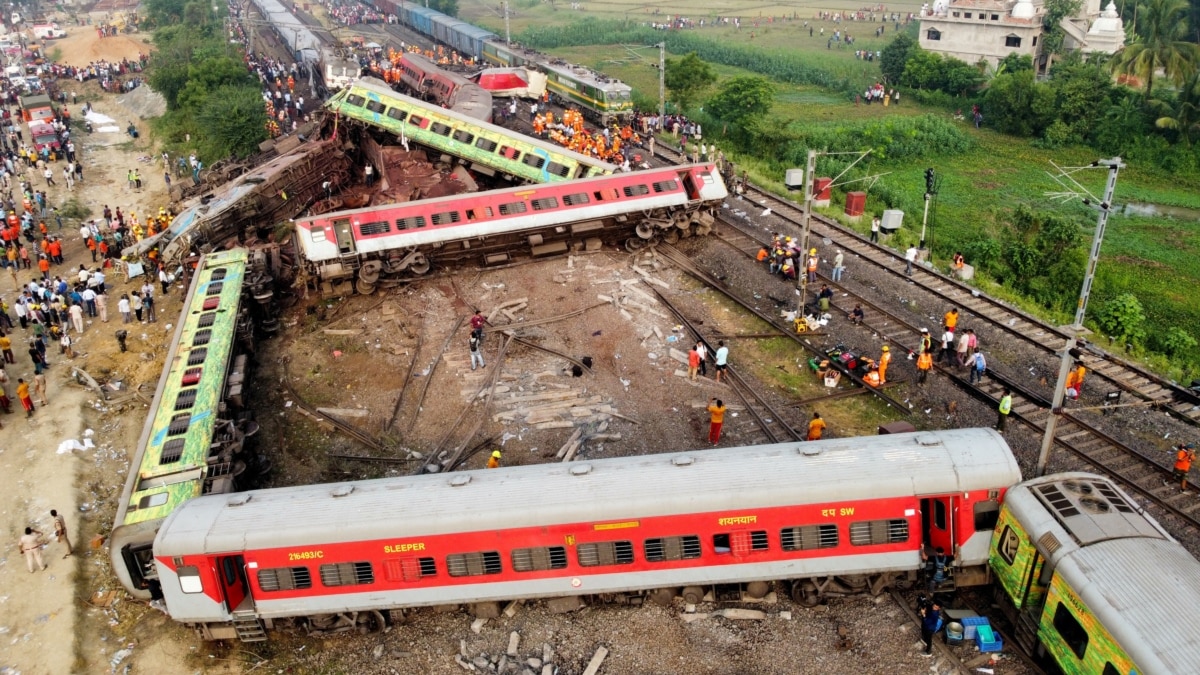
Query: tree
point(1161, 32)
point(209, 75)
point(1014, 63)
point(959, 77)
point(232, 121)
point(1018, 104)
point(687, 78)
point(895, 56)
point(1055, 12)
point(923, 70)
point(1181, 113)
point(742, 99)
point(1082, 94)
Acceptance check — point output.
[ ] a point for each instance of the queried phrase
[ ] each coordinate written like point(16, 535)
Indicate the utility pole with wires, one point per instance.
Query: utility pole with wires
point(507, 33)
point(1104, 205)
point(806, 222)
point(662, 81)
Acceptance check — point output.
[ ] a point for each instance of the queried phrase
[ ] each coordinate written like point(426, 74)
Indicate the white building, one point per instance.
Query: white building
point(971, 30)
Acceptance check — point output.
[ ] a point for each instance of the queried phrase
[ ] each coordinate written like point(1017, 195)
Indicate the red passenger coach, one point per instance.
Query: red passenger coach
point(366, 245)
point(828, 517)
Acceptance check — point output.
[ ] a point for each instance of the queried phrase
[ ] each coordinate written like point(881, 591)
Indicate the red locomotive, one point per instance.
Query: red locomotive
point(365, 245)
point(828, 517)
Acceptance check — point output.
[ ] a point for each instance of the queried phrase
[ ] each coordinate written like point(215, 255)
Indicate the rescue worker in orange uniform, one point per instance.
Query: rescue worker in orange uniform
point(872, 377)
point(885, 360)
point(951, 319)
point(1075, 381)
point(494, 460)
point(1184, 456)
point(815, 427)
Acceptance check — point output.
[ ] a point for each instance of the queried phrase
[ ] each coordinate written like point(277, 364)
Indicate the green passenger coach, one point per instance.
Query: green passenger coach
point(188, 444)
point(1091, 581)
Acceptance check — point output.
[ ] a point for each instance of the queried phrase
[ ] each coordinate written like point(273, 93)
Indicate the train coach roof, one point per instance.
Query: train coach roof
point(835, 470)
point(1145, 592)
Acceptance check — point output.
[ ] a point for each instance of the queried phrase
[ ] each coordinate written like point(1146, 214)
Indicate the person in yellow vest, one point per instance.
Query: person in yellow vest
point(924, 365)
point(494, 460)
point(1003, 409)
point(885, 360)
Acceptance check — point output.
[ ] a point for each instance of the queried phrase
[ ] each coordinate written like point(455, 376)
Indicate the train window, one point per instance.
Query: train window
point(539, 558)
point(410, 223)
point(191, 376)
point(284, 579)
point(476, 214)
point(672, 548)
point(189, 579)
point(939, 514)
point(1072, 632)
point(408, 568)
point(605, 553)
point(463, 136)
point(740, 543)
point(207, 319)
point(513, 208)
point(378, 227)
point(534, 161)
point(418, 121)
point(440, 129)
point(397, 114)
point(608, 193)
point(809, 537)
point(666, 186)
point(318, 234)
point(446, 218)
point(987, 514)
point(485, 145)
point(218, 274)
point(172, 450)
point(557, 169)
point(211, 303)
point(347, 574)
point(186, 398)
point(510, 153)
point(473, 564)
point(544, 203)
point(635, 190)
point(215, 288)
point(1110, 669)
point(197, 356)
point(202, 338)
point(575, 199)
point(154, 500)
point(355, 99)
point(375, 106)
point(758, 540)
point(868, 532)
point(179, 424)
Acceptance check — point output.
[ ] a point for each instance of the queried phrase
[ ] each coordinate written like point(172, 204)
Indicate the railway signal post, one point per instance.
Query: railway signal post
point(1104, 205)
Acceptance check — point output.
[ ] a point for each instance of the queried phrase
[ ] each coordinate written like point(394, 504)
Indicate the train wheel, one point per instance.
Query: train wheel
point(663, 597)
point(633, 244)
point(758, 589)
point(370, 622)
point(645, 230)
point(363, 287)
point(684, 234)
point(420, 265)
point(369, 272)
point(692, 595)
point(703, 230)
point(671, 236)
point(805, 593)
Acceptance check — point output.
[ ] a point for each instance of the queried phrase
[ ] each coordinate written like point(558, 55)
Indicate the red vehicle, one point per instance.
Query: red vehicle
point(445, 88)
point(43, 136)
point(829, 517)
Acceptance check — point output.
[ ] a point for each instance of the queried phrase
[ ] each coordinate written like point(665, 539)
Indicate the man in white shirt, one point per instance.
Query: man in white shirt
point(910, 257)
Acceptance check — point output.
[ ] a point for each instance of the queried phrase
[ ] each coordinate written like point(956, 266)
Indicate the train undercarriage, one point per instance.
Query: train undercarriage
point(364, 272)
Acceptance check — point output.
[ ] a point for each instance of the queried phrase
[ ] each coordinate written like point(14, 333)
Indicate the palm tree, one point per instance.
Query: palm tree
point(1160, 43)
point(1182, 114)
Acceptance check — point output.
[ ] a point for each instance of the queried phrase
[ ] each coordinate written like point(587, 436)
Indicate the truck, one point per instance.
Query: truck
point(48, 31)
point(37, 108)
point(43, 136)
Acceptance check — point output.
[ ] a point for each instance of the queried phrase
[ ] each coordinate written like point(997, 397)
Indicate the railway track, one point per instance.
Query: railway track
point(1141, 472)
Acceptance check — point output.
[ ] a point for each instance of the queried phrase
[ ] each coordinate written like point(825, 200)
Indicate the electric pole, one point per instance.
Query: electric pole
point(507, 34)
point(810, 174)
point(1113, 165)
point(662, 82)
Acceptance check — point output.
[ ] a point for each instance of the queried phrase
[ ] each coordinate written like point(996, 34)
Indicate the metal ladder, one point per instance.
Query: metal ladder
point(1026, 631)
point(248, 627)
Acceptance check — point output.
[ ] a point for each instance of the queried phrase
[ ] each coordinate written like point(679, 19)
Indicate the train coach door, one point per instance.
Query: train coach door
point(937, 522)
point(232, 572)
point(345, 235)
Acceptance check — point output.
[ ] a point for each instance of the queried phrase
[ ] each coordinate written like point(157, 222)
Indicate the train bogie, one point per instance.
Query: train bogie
point(1092, 580)
point(831, 517)
point(405, 239)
